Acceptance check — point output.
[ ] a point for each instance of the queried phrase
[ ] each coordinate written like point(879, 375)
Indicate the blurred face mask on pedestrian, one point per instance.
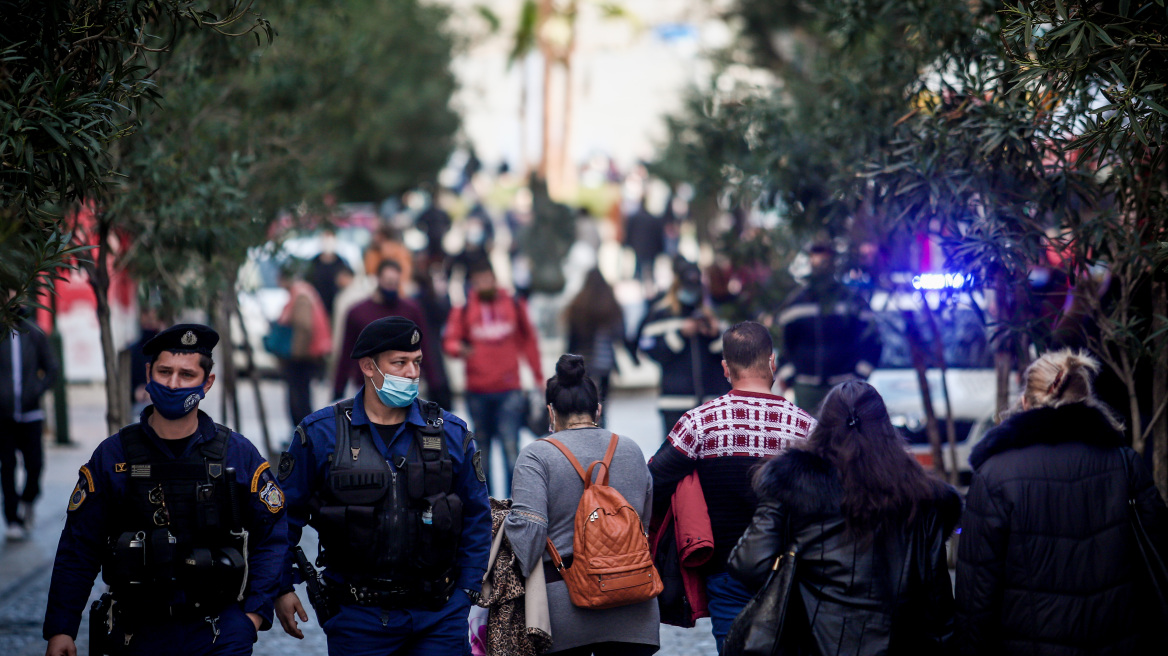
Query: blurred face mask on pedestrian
point(328, 243)
point(400, 390)
point(483, 283)
point(388, 284)
point(177, 384)
point(689, 296)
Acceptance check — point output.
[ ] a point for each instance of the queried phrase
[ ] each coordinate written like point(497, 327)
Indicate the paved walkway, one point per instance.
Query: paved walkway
point(25, 567)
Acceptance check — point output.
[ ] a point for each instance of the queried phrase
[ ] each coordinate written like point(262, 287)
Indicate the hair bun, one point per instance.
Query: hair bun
point(570, 370)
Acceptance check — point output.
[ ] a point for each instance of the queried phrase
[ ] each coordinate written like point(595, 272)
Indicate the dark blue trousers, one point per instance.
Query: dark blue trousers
point(193, 637)
point(373, 631)
point(725, 598)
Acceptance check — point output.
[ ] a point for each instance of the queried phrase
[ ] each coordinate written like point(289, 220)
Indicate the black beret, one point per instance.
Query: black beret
point(182, 338)
point(387, 334)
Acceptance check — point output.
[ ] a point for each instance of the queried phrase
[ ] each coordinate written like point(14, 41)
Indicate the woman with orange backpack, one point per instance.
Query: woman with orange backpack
point(592, 537)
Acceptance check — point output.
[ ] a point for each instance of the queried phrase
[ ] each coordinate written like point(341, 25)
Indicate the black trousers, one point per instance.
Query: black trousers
point(608, 649)
point(24, 437)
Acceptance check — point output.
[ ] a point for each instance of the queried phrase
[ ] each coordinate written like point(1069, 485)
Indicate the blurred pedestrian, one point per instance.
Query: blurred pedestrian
point(330, 273)
point(724, 441)
point(28, 369)
point(546, 495)
point(868, 527)
point(184, 519)
point(387, 245)
point(311, 340)
point(1048, 561)
point(645, 234)
point(492, 333)
point(387, 301)
point(596, 325)
point(684, 336)
point(827, 334)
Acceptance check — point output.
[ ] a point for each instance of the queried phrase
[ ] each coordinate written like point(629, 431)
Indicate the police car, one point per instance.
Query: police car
point(961, 323)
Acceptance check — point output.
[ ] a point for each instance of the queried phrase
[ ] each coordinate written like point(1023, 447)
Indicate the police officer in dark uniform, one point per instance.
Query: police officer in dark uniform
point(182, 516)
point(396, 491)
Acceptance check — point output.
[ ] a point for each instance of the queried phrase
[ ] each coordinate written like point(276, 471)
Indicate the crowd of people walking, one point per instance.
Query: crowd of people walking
point(796, 526)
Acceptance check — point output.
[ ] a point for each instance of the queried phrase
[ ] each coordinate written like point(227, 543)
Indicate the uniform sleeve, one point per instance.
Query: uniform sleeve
point(660, 336)
point(475, 543)
point(527, 523)
point(298, 472)
point(267, 527)
point(79, 551)
point(981, 561)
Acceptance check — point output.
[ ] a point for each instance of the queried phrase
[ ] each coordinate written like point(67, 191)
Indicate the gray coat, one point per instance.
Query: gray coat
point(546, 490)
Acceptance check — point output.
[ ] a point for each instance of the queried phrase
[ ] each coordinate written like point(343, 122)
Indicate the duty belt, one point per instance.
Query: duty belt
point(395, 597)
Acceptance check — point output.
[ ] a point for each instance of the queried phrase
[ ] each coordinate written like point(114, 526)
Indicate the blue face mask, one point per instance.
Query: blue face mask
point(174, 403)
point(688, 297)
point(397, 392)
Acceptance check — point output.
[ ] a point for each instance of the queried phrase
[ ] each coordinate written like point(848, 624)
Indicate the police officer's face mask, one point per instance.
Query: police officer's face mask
point(395, 391)
point(174, 403)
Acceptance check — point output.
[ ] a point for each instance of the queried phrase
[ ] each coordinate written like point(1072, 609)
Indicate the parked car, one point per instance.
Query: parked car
point(969, 370)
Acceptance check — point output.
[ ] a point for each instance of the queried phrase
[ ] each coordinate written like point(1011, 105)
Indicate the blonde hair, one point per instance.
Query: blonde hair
point(1059, 378)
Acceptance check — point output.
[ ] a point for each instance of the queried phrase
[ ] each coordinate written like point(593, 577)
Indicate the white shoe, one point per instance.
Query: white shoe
point(15, 533)
point(27, 513)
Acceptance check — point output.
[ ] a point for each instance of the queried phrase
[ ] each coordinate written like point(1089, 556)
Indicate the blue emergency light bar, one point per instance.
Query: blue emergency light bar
point(942, 281)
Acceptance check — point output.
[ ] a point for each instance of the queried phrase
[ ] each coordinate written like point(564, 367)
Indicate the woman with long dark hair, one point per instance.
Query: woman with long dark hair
point(596, 325)
point(546, 490)
point(1049, 563)
point(870, 525)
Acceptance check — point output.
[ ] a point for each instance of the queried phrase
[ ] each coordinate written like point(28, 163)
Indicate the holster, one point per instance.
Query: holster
point(100, 621)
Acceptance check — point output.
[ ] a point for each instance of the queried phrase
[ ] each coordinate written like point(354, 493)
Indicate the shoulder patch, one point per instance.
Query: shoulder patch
point(466, 441)
point(78, 496)
point(284, 469)
point(272, 497)
point(88, 476)
point(480, 473)
point(255, 478)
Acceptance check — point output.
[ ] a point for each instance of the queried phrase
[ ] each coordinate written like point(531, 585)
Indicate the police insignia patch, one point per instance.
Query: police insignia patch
point(416, 337)
point(284, 469)
point(189, 339)
point(119, 467)
point(78, 496)
point(272, 497)
point(477, 459)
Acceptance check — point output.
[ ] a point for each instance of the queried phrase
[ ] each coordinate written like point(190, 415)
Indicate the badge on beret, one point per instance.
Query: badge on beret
point(189, 339)
point(272, 497)
point(78, 496)
point(284, 469)
point(417, 337)
point(477, 459)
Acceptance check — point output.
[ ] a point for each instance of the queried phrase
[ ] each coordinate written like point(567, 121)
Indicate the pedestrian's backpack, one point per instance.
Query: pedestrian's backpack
point(611, 564)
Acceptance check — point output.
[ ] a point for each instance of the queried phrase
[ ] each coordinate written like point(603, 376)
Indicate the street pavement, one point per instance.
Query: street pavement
point(26, 567)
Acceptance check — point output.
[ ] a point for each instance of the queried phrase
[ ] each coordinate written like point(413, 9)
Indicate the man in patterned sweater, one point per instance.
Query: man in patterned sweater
point(723, 440)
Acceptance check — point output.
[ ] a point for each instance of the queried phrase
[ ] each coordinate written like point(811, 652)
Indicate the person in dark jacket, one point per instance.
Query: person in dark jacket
point(1048, 562)
point(28, 369)
point(870, 525)
point(684, 336)
point(827, 334)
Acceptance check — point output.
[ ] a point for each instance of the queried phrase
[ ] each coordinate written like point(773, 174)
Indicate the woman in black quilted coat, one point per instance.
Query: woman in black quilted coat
point(871, 575)
point(1048, 562)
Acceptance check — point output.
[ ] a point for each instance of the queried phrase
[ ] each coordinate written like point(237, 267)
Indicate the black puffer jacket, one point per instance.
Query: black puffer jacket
point(890, 594)
point(1047, 562)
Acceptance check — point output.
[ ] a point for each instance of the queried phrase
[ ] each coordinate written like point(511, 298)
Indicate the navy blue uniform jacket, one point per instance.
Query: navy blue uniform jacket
point(310, 459)
point(101, 488)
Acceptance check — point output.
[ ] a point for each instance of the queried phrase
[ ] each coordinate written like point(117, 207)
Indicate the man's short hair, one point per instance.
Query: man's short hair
point(388, 263)
point(747, 345)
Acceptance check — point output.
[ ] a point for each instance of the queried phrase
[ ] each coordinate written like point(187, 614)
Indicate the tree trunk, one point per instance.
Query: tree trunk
point(545, 12)
point(99, 280)
point(222, 313)
point(565, 165)
point(950, 426)
point(1160, 389)
point(1003, 355)
point(522, 164)
point(269, 449)
point(921, 365)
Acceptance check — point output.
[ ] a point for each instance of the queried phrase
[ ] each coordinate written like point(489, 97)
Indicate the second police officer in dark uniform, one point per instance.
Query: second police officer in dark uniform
point(182, 516)
point(396, 491)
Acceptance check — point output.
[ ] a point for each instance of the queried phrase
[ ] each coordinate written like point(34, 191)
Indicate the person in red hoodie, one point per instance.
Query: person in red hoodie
point(492, 333)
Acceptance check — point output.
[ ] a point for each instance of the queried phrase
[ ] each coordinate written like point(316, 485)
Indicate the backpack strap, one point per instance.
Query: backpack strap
point(571, 458)
point(606, 463)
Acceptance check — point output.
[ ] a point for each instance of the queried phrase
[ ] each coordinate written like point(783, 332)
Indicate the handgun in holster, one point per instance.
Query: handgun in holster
point(100, 625)
point(315, 587)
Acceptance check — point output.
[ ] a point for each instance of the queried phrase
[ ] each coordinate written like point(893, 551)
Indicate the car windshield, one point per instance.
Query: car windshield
point(962, 332)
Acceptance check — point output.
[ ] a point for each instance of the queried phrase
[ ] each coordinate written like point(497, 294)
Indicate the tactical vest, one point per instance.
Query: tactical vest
point(177, 543)
point(390, 526)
